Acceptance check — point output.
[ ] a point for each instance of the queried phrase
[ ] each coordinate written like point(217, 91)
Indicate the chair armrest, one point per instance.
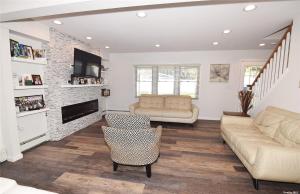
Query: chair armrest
point(277, 162)
point(132, 107)
point(236, 120)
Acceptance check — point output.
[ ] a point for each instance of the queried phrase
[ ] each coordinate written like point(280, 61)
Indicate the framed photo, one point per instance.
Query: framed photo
point(28, 103)
point(29, 52)
point(39, 53)
point(27, 80)
point(23, 51)
point(81, 81)
point(219, 72)
point(36, 80)
point(14, 48)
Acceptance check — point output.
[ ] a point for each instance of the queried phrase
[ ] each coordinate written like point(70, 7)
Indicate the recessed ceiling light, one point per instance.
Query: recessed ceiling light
point(107, 47)
point(141, 14)
point(262, 44)
point(215, 43)
point(250, 7)
point(89, 38)
point(227, 31)
point(58, 22)
point(157, 45)
point(273, 43)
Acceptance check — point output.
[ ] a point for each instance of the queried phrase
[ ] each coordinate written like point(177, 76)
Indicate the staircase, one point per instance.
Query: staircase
point(273, 70)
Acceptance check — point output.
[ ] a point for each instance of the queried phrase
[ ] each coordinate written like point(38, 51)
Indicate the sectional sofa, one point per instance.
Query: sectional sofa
point(268, 145)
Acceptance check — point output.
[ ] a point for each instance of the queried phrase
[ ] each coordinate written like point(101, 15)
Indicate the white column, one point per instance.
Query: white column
point(8, 112)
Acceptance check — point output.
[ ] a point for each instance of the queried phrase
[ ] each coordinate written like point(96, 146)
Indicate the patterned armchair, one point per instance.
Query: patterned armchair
point(132, 141)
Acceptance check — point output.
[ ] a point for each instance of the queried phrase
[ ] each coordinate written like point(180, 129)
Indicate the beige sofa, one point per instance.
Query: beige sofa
point(177, 109)
point(268, 145)
point(9, 186)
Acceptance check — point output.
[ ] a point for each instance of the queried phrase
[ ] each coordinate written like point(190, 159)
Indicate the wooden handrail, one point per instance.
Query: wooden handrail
point(289, 30)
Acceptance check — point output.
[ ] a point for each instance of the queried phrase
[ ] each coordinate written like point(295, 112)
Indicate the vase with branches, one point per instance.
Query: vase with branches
point(246, 97)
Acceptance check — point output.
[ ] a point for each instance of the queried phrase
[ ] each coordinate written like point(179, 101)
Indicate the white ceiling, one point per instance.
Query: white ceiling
point(183, 28)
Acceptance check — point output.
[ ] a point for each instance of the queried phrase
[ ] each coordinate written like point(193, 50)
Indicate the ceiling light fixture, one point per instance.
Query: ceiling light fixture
point(141, 14)
point(262, 44)
point(215, 43)
point(107, 47)
point(250, 7)
point(227, 31)
point(58, 22)
point(273, 43)
point(157, 45)
point(89, 38)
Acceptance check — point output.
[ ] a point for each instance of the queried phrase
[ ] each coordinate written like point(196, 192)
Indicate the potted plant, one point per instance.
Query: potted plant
point(246, 97)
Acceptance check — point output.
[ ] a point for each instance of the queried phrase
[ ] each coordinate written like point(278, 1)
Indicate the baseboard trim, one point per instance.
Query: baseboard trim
point(15, 158)
point(210, 118)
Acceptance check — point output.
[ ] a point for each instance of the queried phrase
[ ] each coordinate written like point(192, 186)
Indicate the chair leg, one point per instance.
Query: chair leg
point(115, 166)
point(148, 170)
point(255, 183)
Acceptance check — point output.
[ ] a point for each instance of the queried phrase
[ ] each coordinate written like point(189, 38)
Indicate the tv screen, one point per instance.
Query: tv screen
point(86, 64)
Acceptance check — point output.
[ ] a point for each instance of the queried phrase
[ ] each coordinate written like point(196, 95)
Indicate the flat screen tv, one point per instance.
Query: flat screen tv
point(86, 64)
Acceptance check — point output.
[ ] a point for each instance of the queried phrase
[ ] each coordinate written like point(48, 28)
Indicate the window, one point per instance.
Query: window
point(143, 80)
point(167, 80)
point(188, 81)
point(251, 71)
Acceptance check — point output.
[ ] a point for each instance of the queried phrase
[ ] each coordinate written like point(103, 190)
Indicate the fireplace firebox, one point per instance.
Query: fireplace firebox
point(75, 111)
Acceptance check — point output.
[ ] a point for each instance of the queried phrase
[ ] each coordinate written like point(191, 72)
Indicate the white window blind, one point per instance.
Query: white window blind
point(167, 80)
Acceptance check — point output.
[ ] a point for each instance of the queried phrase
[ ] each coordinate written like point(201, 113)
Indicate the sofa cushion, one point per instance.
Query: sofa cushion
point(151, 102)
point(173, 113)
point(153, 112)
point(288, 133)
point(27, 190)
point(268, 122)
point(6, 184)
point(248, 148)
point(178, 102)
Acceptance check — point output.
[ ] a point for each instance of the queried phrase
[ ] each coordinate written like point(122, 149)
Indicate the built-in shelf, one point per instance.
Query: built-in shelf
point(39, 61)
point(31, 87)
point(81, 85)
point(26, 113)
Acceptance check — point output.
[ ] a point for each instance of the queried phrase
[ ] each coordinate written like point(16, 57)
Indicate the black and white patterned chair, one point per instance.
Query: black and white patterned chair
point(132, 141)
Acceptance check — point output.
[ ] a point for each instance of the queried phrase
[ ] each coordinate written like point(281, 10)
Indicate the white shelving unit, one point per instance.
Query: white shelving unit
point(32, 125)
point(31, 87)
point(26, 113)
point(40, 61)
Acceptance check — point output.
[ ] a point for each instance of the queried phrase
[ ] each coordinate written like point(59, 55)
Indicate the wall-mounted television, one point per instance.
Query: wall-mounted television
point(86, 64)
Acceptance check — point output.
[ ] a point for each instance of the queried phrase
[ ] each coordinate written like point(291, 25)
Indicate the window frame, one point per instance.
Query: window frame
point(155, 77)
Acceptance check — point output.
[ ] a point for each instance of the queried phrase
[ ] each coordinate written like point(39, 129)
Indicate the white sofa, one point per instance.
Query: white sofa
point(9, 186)
point(268, 145)
point(177, 109)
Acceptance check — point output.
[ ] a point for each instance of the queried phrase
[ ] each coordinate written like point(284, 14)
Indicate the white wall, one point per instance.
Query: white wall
point(214, 98)
point(8, 120)
point(286, 94)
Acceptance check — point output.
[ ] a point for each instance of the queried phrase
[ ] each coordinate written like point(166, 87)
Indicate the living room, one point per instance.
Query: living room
point(215, 82)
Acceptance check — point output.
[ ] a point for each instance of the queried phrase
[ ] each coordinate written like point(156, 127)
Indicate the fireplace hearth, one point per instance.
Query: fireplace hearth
point(75, 111)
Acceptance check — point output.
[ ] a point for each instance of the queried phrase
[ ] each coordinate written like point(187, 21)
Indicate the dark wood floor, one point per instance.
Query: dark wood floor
point(192, 160)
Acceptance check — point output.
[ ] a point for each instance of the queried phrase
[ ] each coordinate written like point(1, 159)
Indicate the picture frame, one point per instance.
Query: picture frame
point(29, 103)
point(29, 52)
point(27, 80)
point(39, 53)
point(219, 72)
point(36, 80)
point(14, 48)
